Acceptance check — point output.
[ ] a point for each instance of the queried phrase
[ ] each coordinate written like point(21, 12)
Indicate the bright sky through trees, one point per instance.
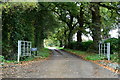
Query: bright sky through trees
point(113, 34)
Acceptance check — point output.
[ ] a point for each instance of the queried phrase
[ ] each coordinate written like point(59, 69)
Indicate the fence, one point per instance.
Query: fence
point(104, 49)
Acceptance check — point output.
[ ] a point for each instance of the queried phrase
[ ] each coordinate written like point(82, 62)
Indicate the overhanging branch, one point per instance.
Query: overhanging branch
point(108, 7)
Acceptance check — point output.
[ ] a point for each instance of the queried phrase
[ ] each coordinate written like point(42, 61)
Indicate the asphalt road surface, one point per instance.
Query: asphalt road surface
point(60, 65)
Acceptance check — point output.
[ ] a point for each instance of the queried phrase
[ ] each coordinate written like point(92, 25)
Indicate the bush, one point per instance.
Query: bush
point(113, 44)
point(80, 45)
point(2, 58)
point(86, 45)
point(74, 45)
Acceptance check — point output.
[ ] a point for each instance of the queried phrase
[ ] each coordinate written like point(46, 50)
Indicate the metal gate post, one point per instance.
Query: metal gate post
point(108, 51)
point(19, 50)
point(99, 49)
point(30, 47)
point(104, 49)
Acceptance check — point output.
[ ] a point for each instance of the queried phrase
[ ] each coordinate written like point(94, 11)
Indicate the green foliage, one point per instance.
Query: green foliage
point(86, 45)
point(43, 53)
point(81, 45)
point(75, 45)
point(78, 52)
point(59, 47)
point(114, 57)
point(51, 42)
point(2, 59)
point(113, 44)
point(95, 57)
point(17, 25)
point(36, 21)
point(58, 37)
point(108, 18)
point(27, 58)
point(25, 21)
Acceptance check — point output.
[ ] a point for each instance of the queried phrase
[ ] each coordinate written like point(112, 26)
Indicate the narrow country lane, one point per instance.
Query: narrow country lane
point(60, 65)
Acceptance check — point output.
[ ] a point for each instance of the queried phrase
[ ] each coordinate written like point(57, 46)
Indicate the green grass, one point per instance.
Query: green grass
point(43, 53)
point(93, 56)
point(27, 58)
point(79, 52)
point(56, 47)
point(59, 47)
point(114, 57)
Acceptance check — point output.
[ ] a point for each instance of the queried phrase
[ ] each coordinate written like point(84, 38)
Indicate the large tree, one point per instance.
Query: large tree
point(25, 21)
point(95, 27)
point(80, 18)
point(66, 13)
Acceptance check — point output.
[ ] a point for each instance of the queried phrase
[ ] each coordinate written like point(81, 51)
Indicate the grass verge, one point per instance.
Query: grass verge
point(44, 53)
point(41, 54)
point(93, 56)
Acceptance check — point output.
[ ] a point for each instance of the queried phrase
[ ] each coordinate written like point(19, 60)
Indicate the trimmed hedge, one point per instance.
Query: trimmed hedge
point(83, 46)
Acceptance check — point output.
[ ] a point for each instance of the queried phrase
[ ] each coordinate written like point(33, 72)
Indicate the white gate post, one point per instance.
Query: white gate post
point(19, 50)
point(108, 51)
point(99, 49)
point(104, 49)
point(24, 48)
point(30, 47)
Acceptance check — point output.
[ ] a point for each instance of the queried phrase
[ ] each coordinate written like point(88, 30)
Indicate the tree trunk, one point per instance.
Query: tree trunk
point(65, 40)
point(96, 27)
point(70, 38)
point(79, 36)
point(39, 37)
point(81, 22)
point(61, 43)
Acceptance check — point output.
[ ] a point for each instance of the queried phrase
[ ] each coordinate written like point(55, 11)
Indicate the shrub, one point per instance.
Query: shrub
point(74, 45)
point(2, 58)
point(113, 44)
point(80, 45)
point(86, 45)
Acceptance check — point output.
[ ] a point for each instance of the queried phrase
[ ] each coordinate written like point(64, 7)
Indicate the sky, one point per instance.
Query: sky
point(113, 33)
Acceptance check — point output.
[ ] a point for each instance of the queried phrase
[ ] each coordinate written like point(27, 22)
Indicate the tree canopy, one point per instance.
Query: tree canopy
point(57, 21)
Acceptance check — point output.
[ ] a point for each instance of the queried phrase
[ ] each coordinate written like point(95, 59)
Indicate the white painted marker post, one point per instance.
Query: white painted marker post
point(108, 51)
point(19, 50)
